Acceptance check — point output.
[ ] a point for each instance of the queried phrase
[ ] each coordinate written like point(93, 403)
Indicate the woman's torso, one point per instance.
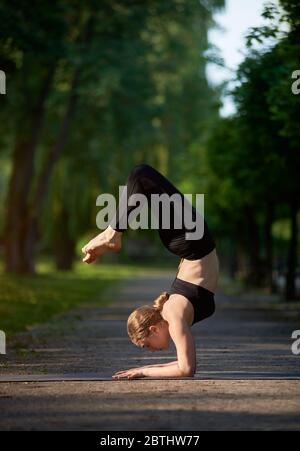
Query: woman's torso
point(191, 275)
point(203, 272)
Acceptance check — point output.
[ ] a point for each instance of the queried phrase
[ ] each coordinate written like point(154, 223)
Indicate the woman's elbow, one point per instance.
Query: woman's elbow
point(187, 372)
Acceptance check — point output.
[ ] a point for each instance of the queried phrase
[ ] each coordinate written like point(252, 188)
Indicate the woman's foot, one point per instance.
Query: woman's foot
point(108, 241)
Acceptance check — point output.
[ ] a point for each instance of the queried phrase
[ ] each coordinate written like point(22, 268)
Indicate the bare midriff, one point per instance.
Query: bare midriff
point(203, 272)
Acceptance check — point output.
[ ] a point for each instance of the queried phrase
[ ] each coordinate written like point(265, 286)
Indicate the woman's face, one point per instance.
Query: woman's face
point(158, 339)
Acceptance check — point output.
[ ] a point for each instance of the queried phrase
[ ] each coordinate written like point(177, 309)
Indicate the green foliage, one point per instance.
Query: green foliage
point(252, 158)
point(141, 95)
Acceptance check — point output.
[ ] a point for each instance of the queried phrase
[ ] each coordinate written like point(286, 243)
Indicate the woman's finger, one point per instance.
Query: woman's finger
point(123, 374)
point(134, 376)
point(125, 371)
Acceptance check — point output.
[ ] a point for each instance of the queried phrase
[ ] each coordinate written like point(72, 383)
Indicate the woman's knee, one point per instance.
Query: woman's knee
point(140, 169)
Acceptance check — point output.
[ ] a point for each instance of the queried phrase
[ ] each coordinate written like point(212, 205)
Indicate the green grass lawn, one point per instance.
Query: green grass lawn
point(29, 300)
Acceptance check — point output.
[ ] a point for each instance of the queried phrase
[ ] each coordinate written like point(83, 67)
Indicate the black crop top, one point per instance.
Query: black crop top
point(201, 298)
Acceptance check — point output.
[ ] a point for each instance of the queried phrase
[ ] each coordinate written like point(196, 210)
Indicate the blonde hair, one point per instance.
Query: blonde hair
point(142, 318)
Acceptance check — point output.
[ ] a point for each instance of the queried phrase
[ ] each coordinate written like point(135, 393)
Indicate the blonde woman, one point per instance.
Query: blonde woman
point(191, 295)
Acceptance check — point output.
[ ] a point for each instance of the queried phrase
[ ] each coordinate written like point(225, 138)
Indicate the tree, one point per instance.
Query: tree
point(93, 66)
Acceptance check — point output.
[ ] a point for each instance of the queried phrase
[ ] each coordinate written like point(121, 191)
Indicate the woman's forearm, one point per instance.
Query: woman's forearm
point(169, 370)
point(160, 364)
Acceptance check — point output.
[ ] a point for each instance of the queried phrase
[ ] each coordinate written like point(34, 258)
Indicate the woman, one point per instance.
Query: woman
point(191, 297)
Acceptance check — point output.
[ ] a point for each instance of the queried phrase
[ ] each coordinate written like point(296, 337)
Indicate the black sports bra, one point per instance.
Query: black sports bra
point(201, 298)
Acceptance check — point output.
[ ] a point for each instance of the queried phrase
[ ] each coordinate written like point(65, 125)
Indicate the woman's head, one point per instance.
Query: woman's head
point(147, 328)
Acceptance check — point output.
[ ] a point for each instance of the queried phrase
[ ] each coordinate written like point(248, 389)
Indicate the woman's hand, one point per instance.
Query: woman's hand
point(133, 373)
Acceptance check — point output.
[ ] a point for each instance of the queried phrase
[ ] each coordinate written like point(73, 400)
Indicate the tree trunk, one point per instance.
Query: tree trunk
point(290, 288)
point(64, 244)
point(31, 224)
point(269, 247)
point(241, 260)
point(253, 276)
point(21, 180)
point(233, 261)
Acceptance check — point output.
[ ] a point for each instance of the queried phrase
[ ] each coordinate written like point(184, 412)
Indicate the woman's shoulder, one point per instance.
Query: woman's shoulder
point(178, 307)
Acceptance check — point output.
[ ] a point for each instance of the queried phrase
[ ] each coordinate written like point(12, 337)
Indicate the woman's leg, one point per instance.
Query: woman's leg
point(144, 179)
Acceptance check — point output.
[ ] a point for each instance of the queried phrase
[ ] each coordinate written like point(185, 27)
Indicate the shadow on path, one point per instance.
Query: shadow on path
point(244, 380)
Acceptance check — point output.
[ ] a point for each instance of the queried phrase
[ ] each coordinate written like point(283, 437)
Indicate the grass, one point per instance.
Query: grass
point(28, 300)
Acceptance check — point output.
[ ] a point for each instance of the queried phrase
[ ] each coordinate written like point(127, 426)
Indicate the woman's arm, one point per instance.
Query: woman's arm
point(141, 370)
point(160, 364)
point(184, 366)
point(183, 339)
point(172, 370)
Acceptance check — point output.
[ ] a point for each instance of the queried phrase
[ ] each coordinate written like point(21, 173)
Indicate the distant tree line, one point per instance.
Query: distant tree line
point(92, 88)
point(253, 157)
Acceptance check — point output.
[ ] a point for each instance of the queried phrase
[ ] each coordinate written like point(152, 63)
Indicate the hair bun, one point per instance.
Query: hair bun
point(159, 302)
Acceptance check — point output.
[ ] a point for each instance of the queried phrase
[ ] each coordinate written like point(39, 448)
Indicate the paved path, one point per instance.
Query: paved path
point(247, 376)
